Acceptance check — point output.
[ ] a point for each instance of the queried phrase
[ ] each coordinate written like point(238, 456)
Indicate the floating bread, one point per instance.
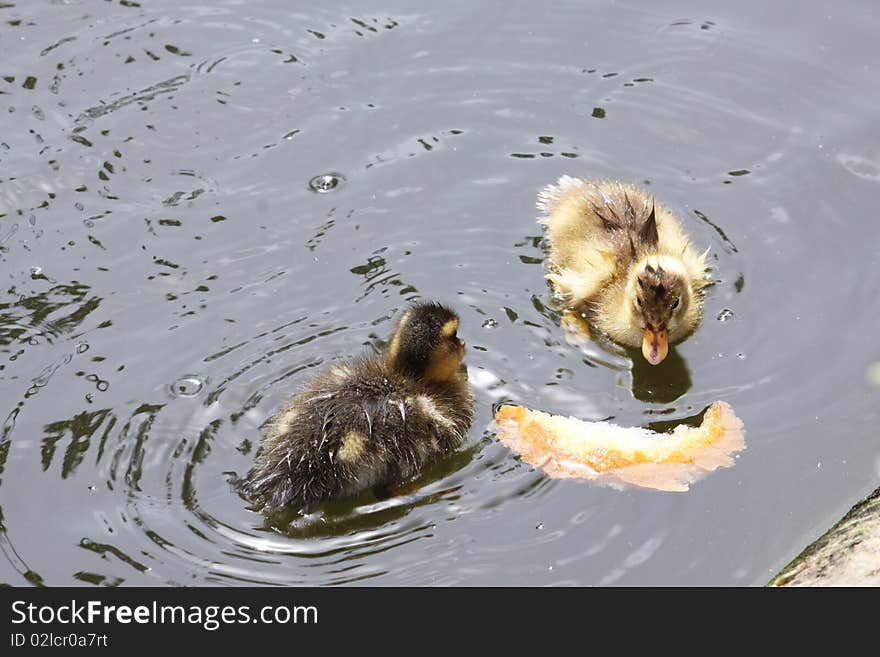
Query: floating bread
point(565, 447)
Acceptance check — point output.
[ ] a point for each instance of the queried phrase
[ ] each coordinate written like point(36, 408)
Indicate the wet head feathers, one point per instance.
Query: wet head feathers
point(450, 328)
point(662, 290)
point(425, 344)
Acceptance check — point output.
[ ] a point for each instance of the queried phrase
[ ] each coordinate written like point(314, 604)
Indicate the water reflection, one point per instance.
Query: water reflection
point(662, 383)
point(77, 432)
point(379, 276)
point(659, 384)
point(377, 507)
point(46, 315)
point(163, 199)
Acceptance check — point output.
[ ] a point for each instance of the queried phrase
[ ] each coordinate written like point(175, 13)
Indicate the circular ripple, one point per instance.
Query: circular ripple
point(189, 385)
point(326, 182)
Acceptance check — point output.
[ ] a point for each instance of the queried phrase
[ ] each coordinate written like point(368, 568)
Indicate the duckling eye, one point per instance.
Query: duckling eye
point(675, 305)
point(639, 301)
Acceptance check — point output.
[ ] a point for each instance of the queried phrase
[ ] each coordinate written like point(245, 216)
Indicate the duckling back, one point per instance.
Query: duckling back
point(597, 230)
point(354, 427)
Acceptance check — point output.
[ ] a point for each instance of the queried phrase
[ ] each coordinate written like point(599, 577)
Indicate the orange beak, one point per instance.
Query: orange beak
point(655, 345)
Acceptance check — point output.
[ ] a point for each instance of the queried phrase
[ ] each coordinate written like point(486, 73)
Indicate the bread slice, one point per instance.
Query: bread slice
point(565, 447)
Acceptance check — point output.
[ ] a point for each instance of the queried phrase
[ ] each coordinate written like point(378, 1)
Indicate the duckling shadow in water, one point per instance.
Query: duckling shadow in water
point(668, 426)
point(373, 508)
point(662, 383)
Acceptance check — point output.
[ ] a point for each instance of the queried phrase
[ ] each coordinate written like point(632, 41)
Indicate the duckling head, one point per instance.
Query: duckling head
point(659, 295)
point(425, 344)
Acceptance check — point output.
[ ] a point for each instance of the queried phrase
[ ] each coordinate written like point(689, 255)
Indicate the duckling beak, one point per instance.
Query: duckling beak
point(655, 345)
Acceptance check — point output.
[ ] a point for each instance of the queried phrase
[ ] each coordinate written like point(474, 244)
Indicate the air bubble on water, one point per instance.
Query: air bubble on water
point(725, 315)
point(741, 356)
point(326, 182)
point(36, 272)
point(490, 323)
point(82, 347)
point(188, 386)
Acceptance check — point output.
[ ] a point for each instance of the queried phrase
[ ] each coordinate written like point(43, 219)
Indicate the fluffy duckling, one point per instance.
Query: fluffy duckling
point(371, 422)
point(627, 259)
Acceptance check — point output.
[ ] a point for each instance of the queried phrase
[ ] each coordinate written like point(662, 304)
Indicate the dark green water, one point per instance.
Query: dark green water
point(169, 277)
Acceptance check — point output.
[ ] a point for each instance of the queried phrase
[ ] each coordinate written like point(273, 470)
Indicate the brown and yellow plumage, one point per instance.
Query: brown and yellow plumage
point(627, 259)
point(371, 422)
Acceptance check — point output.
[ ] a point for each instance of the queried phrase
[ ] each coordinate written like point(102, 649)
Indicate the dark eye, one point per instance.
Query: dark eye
point(639, 301)
point(675, 305)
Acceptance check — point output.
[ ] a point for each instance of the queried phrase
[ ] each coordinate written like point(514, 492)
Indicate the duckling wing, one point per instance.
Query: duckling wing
point(587, 248)
point(318, 446)
point(582, 280)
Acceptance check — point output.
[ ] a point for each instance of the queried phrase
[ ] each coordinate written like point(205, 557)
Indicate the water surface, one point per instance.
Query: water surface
point(172, 271)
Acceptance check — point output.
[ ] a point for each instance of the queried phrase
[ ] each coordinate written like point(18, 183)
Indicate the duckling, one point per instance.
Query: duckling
point(627, 259)
point(371, 422)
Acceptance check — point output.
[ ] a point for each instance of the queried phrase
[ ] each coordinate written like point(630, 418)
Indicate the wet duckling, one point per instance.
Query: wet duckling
point(371, 422)
point(627, 259)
